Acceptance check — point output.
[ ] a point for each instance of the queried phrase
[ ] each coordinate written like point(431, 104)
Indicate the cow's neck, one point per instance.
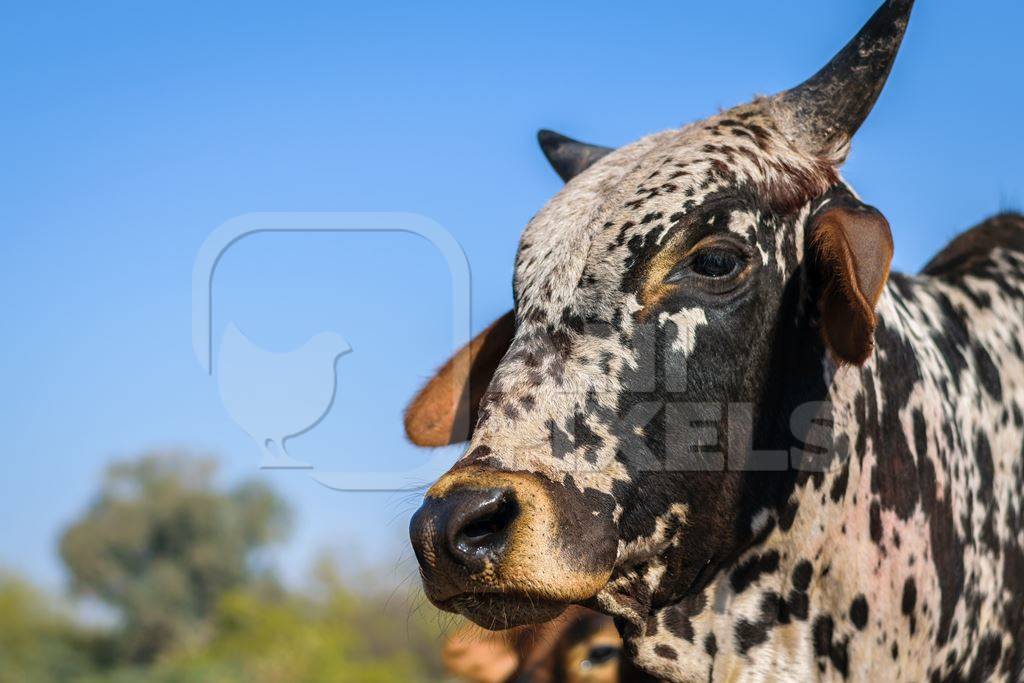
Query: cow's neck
point(793, 598)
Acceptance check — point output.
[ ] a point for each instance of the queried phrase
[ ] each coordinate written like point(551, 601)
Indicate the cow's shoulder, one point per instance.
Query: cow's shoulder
point(975, 246)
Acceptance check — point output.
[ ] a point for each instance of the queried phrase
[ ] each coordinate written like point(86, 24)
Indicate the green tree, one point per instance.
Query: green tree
point(161, 544)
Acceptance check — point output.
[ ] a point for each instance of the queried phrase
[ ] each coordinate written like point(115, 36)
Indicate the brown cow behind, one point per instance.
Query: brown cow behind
point(580, 646)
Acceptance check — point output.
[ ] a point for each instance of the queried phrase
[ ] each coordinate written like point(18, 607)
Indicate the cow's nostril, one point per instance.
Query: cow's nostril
point(478, 526)
point(490, 522)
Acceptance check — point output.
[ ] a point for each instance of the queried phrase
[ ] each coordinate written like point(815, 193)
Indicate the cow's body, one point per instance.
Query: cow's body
point(713, 415)
point(905, 561)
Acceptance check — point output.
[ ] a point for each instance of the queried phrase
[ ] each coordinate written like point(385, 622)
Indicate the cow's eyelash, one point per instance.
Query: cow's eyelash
point(713, 248)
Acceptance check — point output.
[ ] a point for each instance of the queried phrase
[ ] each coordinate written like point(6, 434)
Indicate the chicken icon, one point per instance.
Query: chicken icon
point(275, 396)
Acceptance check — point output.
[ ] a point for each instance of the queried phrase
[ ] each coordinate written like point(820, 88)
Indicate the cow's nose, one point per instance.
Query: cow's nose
point(478, 525)
point(468, 526)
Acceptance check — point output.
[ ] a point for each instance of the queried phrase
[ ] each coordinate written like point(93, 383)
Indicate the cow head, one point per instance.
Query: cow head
point(673, 306)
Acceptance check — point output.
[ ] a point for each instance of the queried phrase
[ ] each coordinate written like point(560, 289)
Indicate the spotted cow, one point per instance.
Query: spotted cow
point(715, 415)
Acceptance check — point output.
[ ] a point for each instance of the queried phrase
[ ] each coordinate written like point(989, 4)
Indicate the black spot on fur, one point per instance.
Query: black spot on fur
point(665, 652)
point(561, 443)
point(802, 575)
point(822, 632)
point(920, 434)
point(987, 373)
point(798, 605)
point(840, 483)
point(986, 468)
point(859, 612)
point(749, 634)
point(711, 644)
point(909, 596)
point(875, 522)
point(788, 515)
point(677, 621)
point(909, 601)
point(751, 570)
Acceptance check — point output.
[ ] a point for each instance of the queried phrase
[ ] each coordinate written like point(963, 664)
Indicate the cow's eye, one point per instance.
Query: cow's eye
point(599, 655)
point(716, 263)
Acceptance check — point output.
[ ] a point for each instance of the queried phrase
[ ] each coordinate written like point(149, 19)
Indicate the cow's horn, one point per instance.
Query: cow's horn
point(822, 113)
point(569, 157)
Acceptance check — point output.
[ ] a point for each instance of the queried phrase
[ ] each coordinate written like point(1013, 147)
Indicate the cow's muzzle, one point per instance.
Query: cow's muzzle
point(507, 548)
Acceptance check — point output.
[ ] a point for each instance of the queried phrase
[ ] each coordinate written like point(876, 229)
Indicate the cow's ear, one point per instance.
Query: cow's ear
point(851, 249)
point(479, 656)
point(445, 410)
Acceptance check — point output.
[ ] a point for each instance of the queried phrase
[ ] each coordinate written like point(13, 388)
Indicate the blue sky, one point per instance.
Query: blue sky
point(131, 131)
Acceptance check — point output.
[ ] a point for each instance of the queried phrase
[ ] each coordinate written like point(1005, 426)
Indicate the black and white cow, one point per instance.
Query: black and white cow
point(715, 415)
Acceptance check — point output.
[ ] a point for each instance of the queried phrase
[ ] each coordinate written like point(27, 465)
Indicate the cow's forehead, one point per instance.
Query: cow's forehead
point(645, 186)
point(555, 244)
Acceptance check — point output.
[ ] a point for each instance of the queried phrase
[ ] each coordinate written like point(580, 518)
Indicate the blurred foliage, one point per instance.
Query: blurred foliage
point(39, 641)
point(334, 636)
point(161, 545)
point(174, 557)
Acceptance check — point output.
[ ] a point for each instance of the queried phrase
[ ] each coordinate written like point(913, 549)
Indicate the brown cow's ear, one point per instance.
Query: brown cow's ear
point(478, 656)
point(851, 247)
point(445, 410)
